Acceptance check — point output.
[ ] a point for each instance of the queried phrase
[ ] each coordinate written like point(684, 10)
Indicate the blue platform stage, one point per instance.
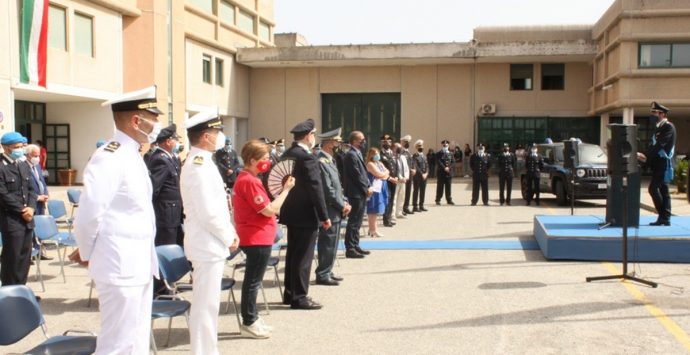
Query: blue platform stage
point(579, 238)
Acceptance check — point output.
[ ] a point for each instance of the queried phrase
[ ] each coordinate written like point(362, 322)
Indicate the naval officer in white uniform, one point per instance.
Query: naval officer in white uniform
point(115, 226)
point(209, 234)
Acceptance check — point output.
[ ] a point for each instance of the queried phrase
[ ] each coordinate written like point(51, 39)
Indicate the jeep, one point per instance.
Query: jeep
point(590, 173)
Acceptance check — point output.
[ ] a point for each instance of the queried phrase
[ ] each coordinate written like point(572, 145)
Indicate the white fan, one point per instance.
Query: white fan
point(278, 175)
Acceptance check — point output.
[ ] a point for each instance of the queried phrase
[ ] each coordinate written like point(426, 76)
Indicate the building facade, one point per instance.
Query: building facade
point(509, 84)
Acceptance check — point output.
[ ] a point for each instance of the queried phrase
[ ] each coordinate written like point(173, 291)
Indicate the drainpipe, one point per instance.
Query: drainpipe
point(170, 62)
point(473, 106)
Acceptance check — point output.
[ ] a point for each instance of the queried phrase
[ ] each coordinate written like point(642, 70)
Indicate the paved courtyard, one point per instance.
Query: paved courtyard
point(443, 301)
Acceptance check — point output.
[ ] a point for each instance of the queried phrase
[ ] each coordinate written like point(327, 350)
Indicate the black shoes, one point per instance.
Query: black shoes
point(474, 203)
point(508, 203)
point(451, 203)
point(660, 223)
point(337, 278)
point(353, 254)
point(438, 203)
point(45, 257)
point(416, 209)
point(422, 209)
point(362, 251)
point(327, 282)
point(407, 211)
point(306, 303)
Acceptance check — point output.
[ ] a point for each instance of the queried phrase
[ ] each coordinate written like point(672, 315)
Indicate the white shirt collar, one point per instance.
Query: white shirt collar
point(304, 146)
point(661, 123)
point(125, 140)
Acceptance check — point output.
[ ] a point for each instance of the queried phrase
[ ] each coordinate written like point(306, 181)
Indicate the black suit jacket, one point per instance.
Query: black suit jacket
point(16, 192)
point(40, 207)
point(305, 205)
point(355, 181)
point(165, 180)
point(665, 136)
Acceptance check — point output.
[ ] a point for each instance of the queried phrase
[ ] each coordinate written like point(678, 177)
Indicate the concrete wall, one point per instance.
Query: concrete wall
point(88, 122)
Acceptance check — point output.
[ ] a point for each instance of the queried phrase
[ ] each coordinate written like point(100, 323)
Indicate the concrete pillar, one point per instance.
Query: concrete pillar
point(628, 115)
point(604, 133)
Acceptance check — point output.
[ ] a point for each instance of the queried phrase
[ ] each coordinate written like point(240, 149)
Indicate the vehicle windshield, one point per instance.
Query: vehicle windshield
point(591, 154)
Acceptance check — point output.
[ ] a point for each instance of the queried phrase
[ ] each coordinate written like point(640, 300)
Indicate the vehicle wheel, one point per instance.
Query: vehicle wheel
point(523, 187)
point(561, 195)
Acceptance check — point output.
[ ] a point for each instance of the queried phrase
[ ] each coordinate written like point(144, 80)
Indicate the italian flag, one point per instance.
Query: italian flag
point(34, 42)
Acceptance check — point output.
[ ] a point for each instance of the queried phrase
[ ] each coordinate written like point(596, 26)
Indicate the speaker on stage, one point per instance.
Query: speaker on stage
point(570, 154)
point(623, 175)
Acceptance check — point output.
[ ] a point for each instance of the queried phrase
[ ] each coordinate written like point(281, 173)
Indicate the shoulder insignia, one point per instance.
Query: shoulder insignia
point(112, 146)
point(198, 160)
point(324, 160)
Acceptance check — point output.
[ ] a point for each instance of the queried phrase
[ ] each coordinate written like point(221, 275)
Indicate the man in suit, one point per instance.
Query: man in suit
point(388, 160)
point(421, 167)
point(357, 189)
point(115, 226)
point(444, 176)
point(405, 153)
point(337, 208)
point(658, 157)
point(33, 158)
point(506, 170)
point(534, 163)
point(17, 203)
point(480, 162)
point(403, 177)
point(302, 212)
point(164, 168)
point(229, 163)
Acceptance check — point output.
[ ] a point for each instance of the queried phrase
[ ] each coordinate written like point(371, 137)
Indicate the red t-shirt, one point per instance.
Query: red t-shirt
point(248, 199)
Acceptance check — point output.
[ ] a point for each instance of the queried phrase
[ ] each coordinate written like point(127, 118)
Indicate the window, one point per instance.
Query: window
point(83, 34)
point(219, 72)
point(664, 55)
point(264, 32)
point(552, 76)
point(246, 22)
point(521, 76)
point(206, 5)
point(206, 75)
point(57, 29)
point(227, 12)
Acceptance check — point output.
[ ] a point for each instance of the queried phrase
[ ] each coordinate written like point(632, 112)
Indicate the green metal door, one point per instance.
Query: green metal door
point(57, 141)
point(373, 114)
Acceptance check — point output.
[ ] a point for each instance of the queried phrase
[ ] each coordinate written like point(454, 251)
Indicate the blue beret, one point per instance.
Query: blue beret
point(10, 138)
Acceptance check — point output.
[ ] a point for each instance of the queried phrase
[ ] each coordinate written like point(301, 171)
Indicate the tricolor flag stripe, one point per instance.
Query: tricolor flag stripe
point(34, 42)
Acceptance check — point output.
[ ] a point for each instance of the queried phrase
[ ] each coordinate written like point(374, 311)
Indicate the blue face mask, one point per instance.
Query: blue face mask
point(176, 148)
point(17, 153)
point(363, 146)
point(653, 119)
point(376, 157)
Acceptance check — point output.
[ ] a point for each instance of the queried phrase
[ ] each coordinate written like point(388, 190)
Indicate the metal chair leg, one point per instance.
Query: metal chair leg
point(263, 292)
point(275, 268)
point(62, 263)
point(88, 305)
point(39, 274)
point(153, 341)
point(167, 340)
point(237, 313)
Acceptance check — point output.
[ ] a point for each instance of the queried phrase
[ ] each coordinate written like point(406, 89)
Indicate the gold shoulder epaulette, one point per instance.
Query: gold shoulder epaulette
point(112, 146)
point(198, 160)
point(324, 160)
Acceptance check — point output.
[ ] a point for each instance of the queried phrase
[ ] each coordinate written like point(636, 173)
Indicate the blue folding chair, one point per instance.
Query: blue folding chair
point(21, 315)
point(168, 308)
point(73, 196)
point(47, 232)
point(173, 266)
point(56, 208)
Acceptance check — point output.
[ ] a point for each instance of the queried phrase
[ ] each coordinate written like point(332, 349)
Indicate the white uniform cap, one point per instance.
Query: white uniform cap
point(204, 119)
point(406, 138)
point(144, 99)
point(419, 142)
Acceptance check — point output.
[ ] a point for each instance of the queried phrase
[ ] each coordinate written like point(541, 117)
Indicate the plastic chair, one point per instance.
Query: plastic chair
point(47, 232)
point(168, 308)
point(73, 196)
point(173, 265)
point(56, 208)
point(21, 315)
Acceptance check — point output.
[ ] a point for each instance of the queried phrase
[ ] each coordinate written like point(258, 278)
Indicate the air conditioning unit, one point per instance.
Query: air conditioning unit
point(488, 109)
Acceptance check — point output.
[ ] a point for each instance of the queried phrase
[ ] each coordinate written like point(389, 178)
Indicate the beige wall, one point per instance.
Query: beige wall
point(436, 99)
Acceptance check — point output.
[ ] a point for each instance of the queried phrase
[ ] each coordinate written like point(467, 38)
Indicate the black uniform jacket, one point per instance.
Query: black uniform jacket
point(16, 192)
point(165, 179)
point(305, 205)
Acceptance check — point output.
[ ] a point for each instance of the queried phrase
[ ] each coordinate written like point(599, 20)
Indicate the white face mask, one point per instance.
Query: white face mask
point(220, 141)
point(312, 141)
point(35, 160)
point(151, 137)
point(534, 152)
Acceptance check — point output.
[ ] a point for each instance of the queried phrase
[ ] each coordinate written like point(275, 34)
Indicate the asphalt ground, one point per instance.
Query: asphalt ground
point(442, 301)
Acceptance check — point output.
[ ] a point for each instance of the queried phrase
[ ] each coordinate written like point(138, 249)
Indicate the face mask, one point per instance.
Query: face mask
point(180, 149)
point(281, 148)
point(176, 148)
point(376, 157)
point(421, 150)
point(273, 151)
point(534, 151)
point(481, 151)
point(505, 150)
point(363, 146)
point(653, 119)
point(17, 153)
point(386, 146)
point(151, 137)
point(406, 145)
point(312, 141)
point(35, 160)
point(220, 141)
point(398, 150)
point(263, 166)
point(445, 149)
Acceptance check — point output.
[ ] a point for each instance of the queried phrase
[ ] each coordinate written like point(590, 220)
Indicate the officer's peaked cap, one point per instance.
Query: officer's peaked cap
point(144, 99)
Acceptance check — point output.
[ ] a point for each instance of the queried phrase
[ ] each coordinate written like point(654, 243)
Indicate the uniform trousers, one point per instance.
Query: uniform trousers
point(298, 260)
point(408, 191)
point(203, 317)
point(443, 182)
point(15, 257)
point(125, 319)
point(505, 183)
point(327, 248)
point(390, 203)
point(354, 221)
point(658, 190)
point(419, 191)
point(399, 199)
point(478, 183)
point(532, 188)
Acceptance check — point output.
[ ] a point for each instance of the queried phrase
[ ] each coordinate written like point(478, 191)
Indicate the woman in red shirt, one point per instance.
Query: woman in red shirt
point(255, 223)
